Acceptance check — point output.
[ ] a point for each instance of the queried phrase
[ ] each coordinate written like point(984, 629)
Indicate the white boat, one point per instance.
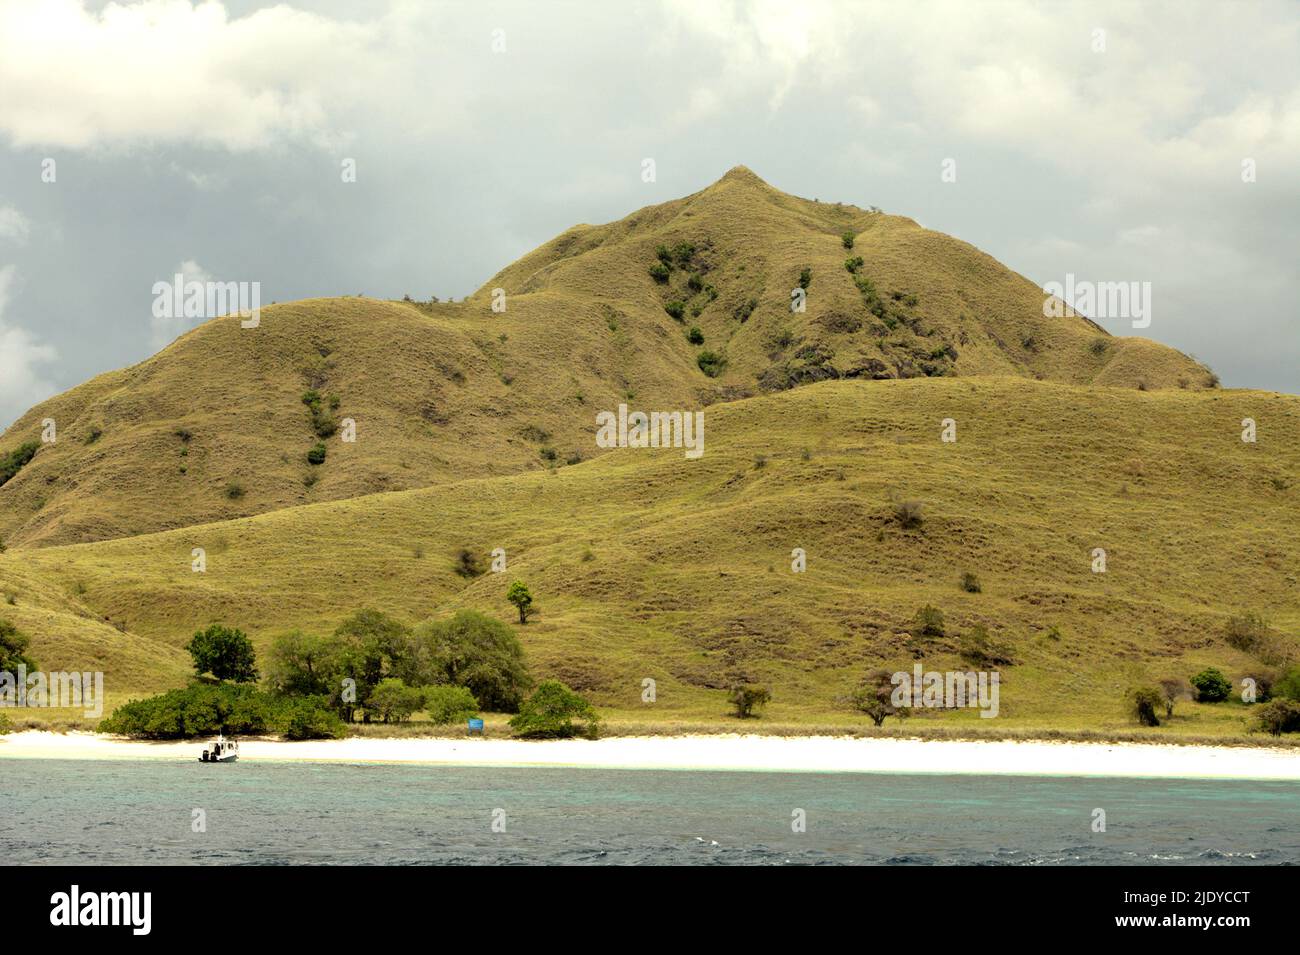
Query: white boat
point(222, 751)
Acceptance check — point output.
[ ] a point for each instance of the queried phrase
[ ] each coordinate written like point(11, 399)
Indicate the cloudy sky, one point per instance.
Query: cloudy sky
point(1103, 140)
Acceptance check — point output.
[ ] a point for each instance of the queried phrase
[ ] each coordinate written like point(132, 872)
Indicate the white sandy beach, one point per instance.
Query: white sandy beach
point(725, 752)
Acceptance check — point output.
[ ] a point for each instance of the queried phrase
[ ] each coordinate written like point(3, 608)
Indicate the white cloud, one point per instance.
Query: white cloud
point(164, 71)
point(21, 385)
point(13, 225)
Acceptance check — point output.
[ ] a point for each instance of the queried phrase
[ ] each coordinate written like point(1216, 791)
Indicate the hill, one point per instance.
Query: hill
point(647, 564)
point(215, 425)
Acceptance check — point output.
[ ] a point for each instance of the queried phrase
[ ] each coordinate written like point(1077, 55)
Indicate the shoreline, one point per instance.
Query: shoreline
point(730, 752)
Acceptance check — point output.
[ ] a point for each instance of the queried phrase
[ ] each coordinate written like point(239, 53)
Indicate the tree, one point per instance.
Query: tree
point(1172, 690)
point(13, 649)
point(846, 239)
point(394, 701)
point(449, 704)
point(1144, 701)
point(1278, 717)
point(519, 595)
point(747, 698)
point(874, 697)
point(478, 652)
point(225, 652)
point(371, 647)
point(555, 712)
point(1211, 686)
point(302, 664)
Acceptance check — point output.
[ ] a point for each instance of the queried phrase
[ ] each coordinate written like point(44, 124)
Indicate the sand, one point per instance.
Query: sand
point(725, 752)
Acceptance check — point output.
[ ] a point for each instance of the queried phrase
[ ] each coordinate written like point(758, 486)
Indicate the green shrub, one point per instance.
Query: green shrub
point(695, 336)
point(1211, 686)
point(659, 272)
point(711, 363)
point(1248, 633)
point(694, 282)
point(970, 583)
point(846, 239)
point(317, 454)
point(909, 514)
point(675, 308)
point(202, 710)
point(805, 278)
point(234, 491)
point(981, 651)
point(16, 460)
point(748, 699)
point(1288, 687)
point(746, 309)
point(928, 622)
point(853, 264)
point(1143, 702)
point(468, 565)
point(683, 252)
point(309, 718)
point(449, 704)
point(555, 712)
point(663, 255)
point(393, 701)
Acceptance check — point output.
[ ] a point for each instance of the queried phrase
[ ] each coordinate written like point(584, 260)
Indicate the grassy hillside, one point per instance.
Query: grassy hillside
point(645, 564)
point(213, 427)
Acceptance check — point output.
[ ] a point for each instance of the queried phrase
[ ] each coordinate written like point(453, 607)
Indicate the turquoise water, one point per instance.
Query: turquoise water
point(125, 812)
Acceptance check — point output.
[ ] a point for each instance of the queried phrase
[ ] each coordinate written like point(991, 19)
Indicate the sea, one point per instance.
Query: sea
point(120, 812)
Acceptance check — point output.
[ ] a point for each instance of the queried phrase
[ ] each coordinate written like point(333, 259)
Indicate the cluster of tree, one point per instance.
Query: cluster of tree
point(370, 649)
point(202, 709)
point(1279, 699)
point(371, 667)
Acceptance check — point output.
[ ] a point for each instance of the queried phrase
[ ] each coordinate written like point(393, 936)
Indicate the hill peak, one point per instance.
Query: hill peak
point(745, 175)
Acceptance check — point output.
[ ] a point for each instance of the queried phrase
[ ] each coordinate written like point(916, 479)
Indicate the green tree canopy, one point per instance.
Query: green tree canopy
point(478, 652)
point(224, 652)
point(522, 598)
point(304, 664)
point(13, 649)
point(371, 646)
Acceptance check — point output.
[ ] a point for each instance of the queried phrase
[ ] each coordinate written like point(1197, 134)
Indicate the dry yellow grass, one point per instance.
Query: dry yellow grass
point(645, 564)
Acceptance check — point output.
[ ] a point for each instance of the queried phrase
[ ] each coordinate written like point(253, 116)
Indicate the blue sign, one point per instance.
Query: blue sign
point(476, 726)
